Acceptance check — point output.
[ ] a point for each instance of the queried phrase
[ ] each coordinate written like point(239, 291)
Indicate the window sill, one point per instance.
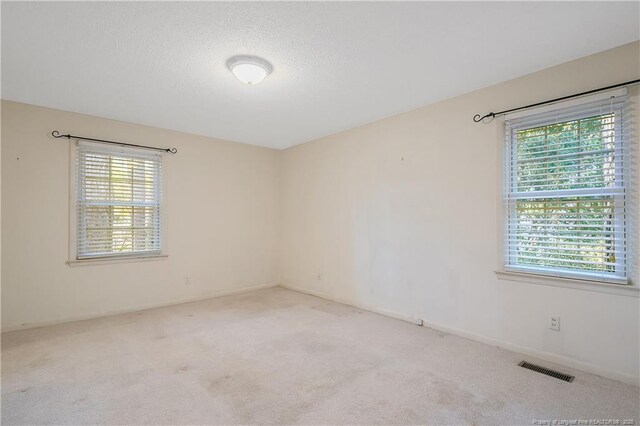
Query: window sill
point(573, 283)
point(112, 260)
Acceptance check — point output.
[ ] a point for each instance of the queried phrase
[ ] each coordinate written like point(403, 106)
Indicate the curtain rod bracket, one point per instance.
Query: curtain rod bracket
point(56, 134)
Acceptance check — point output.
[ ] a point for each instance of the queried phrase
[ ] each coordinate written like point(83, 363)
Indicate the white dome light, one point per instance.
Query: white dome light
point(250, 70)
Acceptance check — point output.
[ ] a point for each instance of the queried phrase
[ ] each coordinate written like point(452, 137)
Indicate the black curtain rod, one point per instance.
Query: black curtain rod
point(57, 135)
point(477, 118)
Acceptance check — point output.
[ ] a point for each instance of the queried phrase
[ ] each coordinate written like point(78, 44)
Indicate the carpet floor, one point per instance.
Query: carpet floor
point(281, 357)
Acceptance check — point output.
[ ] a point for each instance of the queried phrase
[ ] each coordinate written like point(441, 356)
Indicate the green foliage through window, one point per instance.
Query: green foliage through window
point(562, 207)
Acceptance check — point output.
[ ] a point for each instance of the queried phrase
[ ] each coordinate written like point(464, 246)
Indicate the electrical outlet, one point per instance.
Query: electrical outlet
point(187, 281)
point(554, 323)
point(319, 276)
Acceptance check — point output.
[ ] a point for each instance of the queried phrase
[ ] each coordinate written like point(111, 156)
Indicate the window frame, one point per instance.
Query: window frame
point(550, 275)
point(73, 259)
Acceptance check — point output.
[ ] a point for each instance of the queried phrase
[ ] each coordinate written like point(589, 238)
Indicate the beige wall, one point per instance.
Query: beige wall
point(403, 216)
point(221, 221)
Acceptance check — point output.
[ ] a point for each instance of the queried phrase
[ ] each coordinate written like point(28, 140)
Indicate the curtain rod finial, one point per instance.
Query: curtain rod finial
point(56, 134)
point(477, 118)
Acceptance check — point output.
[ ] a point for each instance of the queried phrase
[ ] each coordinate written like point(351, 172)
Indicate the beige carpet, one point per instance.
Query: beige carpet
point(281, 357)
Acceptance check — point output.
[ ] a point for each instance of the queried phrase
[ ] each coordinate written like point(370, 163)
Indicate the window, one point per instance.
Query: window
point(118, 201)
point(565, 191)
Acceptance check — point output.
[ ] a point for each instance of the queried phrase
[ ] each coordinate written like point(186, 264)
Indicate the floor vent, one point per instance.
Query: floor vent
point(548, 372)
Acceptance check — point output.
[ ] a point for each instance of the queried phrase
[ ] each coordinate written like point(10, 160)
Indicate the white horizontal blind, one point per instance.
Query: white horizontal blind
point(118, 201)
point(565, 192)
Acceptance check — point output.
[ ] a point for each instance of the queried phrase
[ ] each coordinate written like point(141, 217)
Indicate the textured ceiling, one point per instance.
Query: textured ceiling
point(336, 65)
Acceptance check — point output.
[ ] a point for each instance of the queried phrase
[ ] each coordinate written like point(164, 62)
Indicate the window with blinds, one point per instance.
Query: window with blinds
point(565, 191)
point(118, 201)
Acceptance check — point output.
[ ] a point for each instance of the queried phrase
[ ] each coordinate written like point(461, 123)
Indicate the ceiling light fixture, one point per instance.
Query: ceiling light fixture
point(250, 70)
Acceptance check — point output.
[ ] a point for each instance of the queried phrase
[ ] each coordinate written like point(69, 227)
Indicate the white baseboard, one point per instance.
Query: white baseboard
point(542, 355)
point(373, 309)
point(219, 293)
